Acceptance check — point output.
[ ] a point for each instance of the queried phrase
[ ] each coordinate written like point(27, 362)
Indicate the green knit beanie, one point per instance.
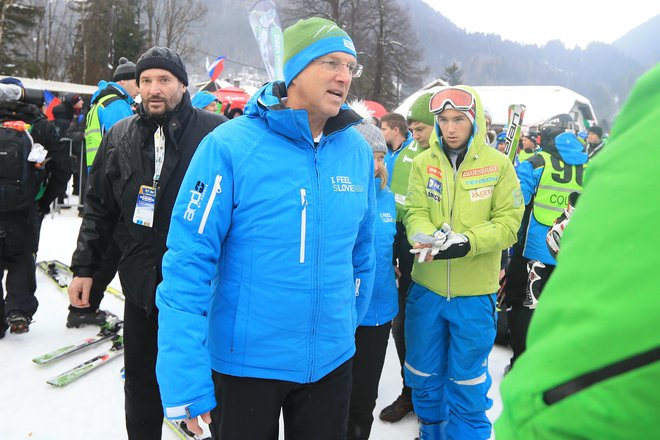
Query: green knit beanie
point(419, 111)
point(310, 39)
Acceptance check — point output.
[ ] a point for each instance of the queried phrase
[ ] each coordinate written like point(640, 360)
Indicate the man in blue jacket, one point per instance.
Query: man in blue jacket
point(270, 256)
point(546, 180)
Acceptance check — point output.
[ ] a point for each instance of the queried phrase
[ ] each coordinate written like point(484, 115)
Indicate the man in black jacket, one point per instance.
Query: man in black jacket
point(20, 225)
point(132, 186)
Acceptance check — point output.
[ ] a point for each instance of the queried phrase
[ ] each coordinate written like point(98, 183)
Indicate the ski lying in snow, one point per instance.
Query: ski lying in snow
point(108, 330)
point(513, 128)
point(181, 430)
point(61, 274)
point(76, 372)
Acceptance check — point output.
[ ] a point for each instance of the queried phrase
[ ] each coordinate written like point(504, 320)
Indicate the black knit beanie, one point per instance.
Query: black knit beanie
point(125, 70)
point(162, 58)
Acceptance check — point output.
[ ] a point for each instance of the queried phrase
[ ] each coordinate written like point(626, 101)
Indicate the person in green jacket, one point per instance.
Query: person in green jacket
point(421, 122)
point(591, 369)
point(464, 206)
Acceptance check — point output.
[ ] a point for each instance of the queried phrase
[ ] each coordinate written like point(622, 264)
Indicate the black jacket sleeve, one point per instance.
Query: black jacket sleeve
point(58, 165)
point(101, 212)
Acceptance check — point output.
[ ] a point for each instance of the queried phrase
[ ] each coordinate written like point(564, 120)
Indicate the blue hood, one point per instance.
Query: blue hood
point(103, 87)
point(268, 103)
point(570, 149)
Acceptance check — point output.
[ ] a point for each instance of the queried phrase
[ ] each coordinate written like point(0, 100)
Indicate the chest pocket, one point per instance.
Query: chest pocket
point(475, 199)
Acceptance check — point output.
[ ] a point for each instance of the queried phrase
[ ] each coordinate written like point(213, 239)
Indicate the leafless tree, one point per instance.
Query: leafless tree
point(173, 23)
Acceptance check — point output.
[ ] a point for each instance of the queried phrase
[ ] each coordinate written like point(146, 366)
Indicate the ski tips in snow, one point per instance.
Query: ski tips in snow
point(78, 371)
point(108, 330)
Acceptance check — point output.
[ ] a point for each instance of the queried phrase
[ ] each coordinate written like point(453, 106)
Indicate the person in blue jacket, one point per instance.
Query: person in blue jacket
point(546, 180)
point(373, 333)
point(270, 261)
point(206, 101)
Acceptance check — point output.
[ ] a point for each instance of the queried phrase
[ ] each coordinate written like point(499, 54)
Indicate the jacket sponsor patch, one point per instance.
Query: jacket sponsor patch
point(434, 185)
point(434, 189)
point(481, 180)
point(517, 198)
point(479, 171)
point(437, 172)
point(196, 197)
point(481, 193)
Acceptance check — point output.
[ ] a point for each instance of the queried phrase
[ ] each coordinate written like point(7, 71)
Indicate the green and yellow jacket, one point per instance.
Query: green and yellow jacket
point(482, 200)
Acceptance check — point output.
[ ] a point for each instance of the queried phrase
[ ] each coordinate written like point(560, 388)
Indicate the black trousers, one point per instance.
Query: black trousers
point(405, 258)
point(518, 315)
point(19, 236)
point(249, 408)
point(371, 346)
point(144, 412)
point(102, 278)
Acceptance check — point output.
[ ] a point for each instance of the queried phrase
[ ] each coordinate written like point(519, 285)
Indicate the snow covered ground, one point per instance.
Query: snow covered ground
point(93, 406)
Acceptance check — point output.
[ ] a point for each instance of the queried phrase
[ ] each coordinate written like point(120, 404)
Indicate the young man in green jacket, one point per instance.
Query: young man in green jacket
point(464, 206)
point(592, 365)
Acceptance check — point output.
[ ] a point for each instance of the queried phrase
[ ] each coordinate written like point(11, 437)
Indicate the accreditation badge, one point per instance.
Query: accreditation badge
point(145, 206)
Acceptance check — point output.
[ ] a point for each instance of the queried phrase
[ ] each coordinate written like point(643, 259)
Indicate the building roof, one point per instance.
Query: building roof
point(542, 102)
point(56, 86)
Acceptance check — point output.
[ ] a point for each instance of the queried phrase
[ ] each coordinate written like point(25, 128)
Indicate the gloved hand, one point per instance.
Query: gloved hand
point(555, 233)
point(455, 245)
point(429, 244)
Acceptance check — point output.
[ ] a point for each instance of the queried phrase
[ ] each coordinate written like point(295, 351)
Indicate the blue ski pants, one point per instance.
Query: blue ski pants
point(448, 343)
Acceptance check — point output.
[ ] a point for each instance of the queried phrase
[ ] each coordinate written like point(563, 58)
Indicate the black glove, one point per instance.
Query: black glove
point(455, 246)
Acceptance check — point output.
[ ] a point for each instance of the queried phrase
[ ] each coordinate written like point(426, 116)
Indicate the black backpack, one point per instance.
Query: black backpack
point(19, 179)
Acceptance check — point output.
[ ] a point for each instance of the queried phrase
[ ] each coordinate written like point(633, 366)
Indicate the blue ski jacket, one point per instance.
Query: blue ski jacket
point(391, 156)
point(384, 304)
point(270, 260)
point(570, 152)
point(115, 111)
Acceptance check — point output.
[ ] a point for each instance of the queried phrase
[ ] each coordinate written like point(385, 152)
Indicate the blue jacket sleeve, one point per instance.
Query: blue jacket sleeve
point(529, 179)
point(364, 255)
point(199, 224)
point(116, 111)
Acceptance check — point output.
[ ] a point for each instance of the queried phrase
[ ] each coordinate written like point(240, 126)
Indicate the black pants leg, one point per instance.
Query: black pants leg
point(371, 346)
point(144, 412)
point(249, 408)
point(405, 258)
point(520, 316)
point(102, 278)
point(17, 260)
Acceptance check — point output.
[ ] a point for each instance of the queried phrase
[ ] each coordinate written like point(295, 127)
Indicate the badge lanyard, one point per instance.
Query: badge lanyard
point(159, 145)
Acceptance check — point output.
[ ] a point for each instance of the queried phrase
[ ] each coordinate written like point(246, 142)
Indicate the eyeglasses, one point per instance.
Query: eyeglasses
point(459, 99)
point(334, 65)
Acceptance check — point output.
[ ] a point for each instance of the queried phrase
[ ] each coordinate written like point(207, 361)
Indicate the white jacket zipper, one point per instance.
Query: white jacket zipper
point(303, 224)
point(217, 189)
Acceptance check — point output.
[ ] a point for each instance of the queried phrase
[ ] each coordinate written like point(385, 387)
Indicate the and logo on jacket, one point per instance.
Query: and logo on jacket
point(196, 198)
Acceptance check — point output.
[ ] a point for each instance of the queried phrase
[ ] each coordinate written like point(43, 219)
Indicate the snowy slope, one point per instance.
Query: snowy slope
point(93, 406)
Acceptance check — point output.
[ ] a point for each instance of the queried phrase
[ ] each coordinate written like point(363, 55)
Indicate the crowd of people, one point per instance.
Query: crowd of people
point(266, 259)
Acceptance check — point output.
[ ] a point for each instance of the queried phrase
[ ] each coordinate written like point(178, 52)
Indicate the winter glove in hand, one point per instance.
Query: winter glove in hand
point(454, 246)
point(436, 242)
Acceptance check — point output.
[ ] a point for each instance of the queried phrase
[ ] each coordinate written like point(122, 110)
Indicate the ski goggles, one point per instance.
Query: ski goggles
point(458, 99)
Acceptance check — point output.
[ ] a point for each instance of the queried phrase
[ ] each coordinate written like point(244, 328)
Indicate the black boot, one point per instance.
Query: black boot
point(78, 318)
point(398, 409)
point(18, 322)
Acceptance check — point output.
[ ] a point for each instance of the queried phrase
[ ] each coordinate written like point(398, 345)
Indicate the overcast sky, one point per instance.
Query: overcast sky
point(537, 22)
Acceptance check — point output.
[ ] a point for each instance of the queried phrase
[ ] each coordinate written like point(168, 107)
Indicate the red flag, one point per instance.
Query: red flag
point(51, 101)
